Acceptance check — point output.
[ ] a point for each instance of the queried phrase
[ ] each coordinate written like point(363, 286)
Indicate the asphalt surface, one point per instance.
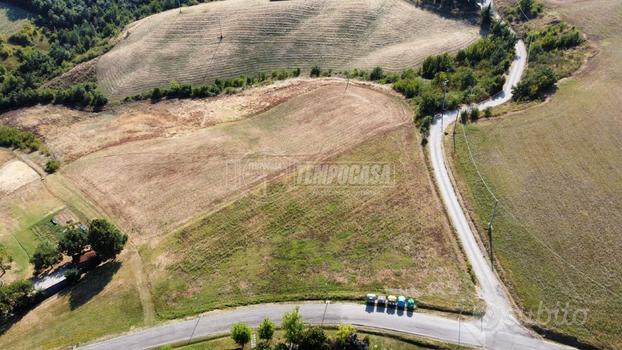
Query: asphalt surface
point(499, 328)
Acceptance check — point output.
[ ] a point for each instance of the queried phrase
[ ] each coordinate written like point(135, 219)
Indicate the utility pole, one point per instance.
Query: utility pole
point(492, 218)
point(444, 105)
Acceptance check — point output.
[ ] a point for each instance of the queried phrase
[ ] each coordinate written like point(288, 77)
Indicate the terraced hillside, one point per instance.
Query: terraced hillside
point(557, 169)
point(259, 35)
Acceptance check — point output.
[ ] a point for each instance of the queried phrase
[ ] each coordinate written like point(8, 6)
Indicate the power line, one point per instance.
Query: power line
point(535, 237)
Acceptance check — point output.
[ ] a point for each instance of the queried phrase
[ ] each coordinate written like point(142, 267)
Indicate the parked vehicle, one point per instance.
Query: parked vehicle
point(401, 301)
point(382, 300)
point(371, 298)
point(410, 304)
point(391, 299)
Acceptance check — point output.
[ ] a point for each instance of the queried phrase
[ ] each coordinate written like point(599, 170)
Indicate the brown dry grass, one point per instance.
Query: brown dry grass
point(294, 241)
point(558, 169)
point(262, 35)
point(153, 186)
point(71, 134)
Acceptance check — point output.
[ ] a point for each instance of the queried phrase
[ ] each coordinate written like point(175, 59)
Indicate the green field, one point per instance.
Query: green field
point(11, 18)
point(557, 170)
point(305, 242)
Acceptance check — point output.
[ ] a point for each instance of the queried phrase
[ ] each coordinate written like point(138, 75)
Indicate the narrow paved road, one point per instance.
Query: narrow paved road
point(499, 329)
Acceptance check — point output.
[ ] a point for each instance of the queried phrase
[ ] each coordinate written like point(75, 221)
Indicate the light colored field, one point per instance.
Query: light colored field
point(72, 134)
point(153, 186)
point(293, 241)
point(260, 35)
point(11, 18)
point(15, 174)
point(558, 171)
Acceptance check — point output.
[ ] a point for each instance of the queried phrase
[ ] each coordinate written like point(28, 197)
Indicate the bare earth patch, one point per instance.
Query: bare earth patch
point(15, 174)
point(71, 134)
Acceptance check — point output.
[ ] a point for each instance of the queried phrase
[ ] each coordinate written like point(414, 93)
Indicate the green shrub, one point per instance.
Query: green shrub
point(376, 74)
point(475, 114)
point(241, 334)
point(315, 71)
point(535, 84)
point(45, 256)
point(51, 166)
point(14, 138)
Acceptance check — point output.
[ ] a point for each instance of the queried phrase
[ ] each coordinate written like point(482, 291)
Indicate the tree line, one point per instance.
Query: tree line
point(226, 86)
point(299, 336)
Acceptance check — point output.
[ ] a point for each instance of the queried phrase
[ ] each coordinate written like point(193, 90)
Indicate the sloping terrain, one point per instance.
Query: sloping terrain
point(316, 241)
point(557, 169)
point(261, 35)
point(152, 186)
point(72, 134)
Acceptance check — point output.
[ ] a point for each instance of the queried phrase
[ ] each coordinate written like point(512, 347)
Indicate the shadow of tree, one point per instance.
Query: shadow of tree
point(14, 13)
point(91, 284)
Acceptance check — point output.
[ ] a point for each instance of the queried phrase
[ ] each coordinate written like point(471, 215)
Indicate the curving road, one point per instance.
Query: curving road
point(499, 329)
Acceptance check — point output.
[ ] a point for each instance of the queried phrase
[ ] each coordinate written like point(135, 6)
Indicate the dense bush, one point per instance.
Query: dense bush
point(23, 140)
point(558, 36)
point(51, 166)
point(73, 275)
point(15, 298)
point(435, 64)
point(45, 256)
point(472, 75)
point(534, 85)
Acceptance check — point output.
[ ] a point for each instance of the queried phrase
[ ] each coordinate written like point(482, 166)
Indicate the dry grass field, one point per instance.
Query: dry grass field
point(260, 35)
point(71, 134)
point(155, 185)
point(557, 168)
point(150, 167)
point(293, 241)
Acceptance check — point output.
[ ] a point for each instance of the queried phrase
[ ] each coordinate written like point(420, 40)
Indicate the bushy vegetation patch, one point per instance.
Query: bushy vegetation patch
point(471, 75)
point(23, 140)
point(550, 58)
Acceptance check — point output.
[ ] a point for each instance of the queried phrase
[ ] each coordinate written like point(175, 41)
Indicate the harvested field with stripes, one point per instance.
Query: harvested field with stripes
point(260, 36)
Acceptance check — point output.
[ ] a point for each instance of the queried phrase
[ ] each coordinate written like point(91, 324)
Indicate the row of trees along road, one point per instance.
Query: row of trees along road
point(298, 335)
